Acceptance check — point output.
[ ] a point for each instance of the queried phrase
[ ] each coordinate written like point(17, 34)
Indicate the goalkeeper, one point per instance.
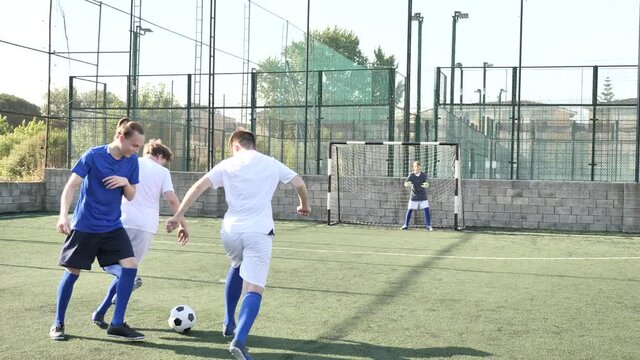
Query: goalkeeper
point(419, 183)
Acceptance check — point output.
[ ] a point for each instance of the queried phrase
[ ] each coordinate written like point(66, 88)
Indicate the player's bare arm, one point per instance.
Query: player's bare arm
point(192, 195)
point(63, 226)
point(114, 181)
point(174, 204)
point(301, 189)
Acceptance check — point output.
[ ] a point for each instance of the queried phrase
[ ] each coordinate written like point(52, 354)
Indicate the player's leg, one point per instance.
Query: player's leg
point(77, 253)
point(427, 216)
point(407, 217)
point(254, 271)
point(141, 243)
point(116, 247)
point(98, 316)
point(233, 284)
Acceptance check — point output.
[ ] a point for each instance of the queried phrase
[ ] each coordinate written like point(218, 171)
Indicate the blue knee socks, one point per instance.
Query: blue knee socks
point(247, 315)
point(232, 292)
point(427, 217)
point(123, 288)
point(65, 289)
point(106, 303)
point(407, 217)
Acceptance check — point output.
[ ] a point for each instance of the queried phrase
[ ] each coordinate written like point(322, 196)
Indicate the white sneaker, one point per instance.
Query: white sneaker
point(429, 228)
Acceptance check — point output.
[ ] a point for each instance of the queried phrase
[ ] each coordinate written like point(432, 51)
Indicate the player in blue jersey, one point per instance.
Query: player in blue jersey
point(141, 216)
point(419, 182)
point(104, 175)
point(249, 179)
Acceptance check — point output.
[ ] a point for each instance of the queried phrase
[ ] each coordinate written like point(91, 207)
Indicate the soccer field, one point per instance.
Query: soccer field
point(344, 292)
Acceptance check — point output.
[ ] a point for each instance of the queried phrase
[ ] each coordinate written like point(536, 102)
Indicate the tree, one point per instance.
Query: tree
point(607, 94)
point(343, 41)
point(382, 60)
point(17, 109)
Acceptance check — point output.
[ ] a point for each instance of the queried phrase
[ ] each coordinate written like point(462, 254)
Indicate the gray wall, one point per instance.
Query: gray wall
point(580, 206)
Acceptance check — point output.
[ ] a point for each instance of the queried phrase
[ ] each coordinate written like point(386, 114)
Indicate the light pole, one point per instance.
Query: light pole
point(135, 66)
point(485, 65)
point(459, 65)
point(456, 15)
point(419, 18)
point(407, 81)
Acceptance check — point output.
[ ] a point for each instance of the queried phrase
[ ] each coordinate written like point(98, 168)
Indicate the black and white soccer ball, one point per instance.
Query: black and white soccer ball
point(182, 318)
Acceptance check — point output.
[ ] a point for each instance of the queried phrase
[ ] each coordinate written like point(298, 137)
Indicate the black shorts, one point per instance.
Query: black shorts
point(80, 249)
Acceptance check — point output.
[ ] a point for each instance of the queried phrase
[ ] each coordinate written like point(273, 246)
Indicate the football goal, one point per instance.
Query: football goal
point(366, 182)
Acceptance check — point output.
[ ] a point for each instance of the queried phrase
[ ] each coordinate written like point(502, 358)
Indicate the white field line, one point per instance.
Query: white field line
point(432, 255)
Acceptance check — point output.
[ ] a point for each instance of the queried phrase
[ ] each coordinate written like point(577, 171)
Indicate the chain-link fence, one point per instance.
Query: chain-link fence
point(570, 123)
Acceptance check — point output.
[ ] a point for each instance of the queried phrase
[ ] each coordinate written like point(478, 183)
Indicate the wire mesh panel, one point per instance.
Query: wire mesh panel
point(366, 182)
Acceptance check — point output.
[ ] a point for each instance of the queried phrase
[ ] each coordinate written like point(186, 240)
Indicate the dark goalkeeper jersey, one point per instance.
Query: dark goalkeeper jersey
point(418, 193)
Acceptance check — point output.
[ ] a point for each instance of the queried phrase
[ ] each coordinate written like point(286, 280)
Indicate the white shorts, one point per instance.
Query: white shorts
point(140, 242)
point(414, 205)
point(252, 251)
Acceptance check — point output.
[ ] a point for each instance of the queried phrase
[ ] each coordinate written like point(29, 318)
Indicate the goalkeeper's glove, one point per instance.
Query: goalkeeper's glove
point(407, 183)
point(425, 185)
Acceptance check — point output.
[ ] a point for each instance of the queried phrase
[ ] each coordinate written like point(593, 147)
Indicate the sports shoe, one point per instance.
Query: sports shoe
point(99, 320)
point(56, 332)
point(238, 350)
point(429, 228)
point(228, 331)
point(404, 227)
point(137, 283)
point(124, 332)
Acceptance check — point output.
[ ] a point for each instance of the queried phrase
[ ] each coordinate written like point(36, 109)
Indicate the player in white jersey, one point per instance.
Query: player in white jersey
point(249, 179)
point(140, 217)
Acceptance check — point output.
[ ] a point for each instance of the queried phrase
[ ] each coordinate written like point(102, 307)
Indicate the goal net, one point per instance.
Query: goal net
point(366, 183)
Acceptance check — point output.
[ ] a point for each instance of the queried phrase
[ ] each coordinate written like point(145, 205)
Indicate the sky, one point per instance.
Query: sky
point(555, 32)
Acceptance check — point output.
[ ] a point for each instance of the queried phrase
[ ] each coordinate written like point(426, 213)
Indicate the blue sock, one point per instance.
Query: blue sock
point(427, 217)
point(232, 292)
point(124, 288)
point(407, 217)
point(248, 313)
point(65, 289)
point(106, 303)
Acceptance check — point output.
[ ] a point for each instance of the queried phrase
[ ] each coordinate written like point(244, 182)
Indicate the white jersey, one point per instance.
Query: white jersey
point(249, 179)
point(143, 212)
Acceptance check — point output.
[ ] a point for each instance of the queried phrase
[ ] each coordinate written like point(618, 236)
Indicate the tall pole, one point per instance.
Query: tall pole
point(519, 95)
point(306, 91)
point(638, 108)
point(453, 59)
point(420, 18)
point(459, 65)
point(407, 82)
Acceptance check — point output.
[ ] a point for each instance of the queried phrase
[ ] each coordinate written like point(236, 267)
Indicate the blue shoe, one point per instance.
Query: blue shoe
point(228, 331)
point(238, 350)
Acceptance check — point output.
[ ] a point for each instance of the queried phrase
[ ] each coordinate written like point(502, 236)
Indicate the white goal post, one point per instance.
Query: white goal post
point(366, 182)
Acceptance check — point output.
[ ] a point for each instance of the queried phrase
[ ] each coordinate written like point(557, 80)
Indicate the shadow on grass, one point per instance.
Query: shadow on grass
point(211, 344)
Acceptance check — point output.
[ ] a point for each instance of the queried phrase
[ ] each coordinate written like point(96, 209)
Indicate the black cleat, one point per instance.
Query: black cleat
point(99, 320)
point(124, 332)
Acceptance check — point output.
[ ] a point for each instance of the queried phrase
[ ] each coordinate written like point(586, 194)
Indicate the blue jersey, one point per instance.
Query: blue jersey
point(98, 208)
point(418, 193)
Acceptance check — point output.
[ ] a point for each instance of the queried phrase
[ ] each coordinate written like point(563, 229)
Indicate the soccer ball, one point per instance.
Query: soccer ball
point(182, 318)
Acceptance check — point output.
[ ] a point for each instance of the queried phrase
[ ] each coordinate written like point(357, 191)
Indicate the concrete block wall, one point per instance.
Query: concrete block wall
point(552, 205)
point(547, 205)
point(18, 197)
